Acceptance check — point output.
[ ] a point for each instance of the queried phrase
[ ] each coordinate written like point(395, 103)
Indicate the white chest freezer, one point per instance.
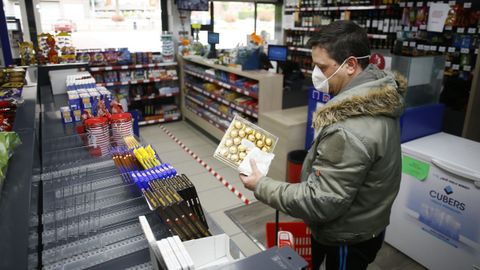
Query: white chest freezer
point(435, 218)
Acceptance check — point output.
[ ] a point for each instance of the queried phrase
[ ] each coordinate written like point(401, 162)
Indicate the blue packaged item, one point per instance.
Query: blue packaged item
point(66, 115)
point(95, 99)
point(124, 57)
point(86, 101)
point(76, 113)
point(138, 183)
point(160, 172)
point(74, 101)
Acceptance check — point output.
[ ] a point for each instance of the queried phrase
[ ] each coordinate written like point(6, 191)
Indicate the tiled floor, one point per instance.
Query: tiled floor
point(214, 196)
point(216, 199)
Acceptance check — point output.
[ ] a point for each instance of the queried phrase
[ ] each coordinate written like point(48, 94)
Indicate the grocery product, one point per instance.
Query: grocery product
point(234, 146)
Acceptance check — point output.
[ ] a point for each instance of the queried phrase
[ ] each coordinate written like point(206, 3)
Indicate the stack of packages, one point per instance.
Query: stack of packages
point(11, 86)
point(84, 97)
point(172, 196)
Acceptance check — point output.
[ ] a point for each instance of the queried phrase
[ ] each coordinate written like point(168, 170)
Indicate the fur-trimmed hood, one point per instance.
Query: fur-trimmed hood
point(372, 92)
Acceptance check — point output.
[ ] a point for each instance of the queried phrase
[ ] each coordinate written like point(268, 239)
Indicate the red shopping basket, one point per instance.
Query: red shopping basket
point(301, 234)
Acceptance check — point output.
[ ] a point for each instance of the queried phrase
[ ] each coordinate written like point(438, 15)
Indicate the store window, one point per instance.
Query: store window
point(105, 23)
point(235, 21)
point(266, 20)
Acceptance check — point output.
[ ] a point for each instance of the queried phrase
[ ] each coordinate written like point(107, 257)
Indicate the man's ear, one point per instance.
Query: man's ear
point(352, 65)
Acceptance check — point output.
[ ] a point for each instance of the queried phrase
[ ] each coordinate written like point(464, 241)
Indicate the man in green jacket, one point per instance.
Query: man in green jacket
point(352, 172)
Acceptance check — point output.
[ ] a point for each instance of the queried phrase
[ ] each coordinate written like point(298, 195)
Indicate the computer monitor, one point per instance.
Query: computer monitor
point(277, 53)
point(213, 38)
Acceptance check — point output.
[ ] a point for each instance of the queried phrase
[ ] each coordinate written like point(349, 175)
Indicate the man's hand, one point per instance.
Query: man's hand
point(251, 181)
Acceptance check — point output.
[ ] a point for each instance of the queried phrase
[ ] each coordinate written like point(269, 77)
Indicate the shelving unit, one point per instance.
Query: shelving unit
point(382, 22)
point(136, 82)
point(150, 101)
point(208, 109)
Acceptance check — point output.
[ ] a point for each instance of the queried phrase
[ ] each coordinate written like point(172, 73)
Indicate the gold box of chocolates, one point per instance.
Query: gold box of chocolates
point(232, 152)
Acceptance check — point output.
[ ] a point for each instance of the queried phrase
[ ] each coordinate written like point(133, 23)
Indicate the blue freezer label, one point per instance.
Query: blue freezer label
point(446, 199)
point(443, 205)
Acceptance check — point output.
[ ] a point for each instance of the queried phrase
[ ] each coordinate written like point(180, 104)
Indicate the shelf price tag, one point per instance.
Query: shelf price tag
point(467, 5)
point(406, 28)
point(467, 68)
point(451, 49)
point(410, 4)
point(455, 67)
point(476, 51)
point(124, 67)
point(452, 3)
point(401, 4)
point(423, 27)
point(464, 50)
point(420, 47)
point(414, 29)
point(460, 30)
point(429, 3)
point(413, 44)
point(448, 27)
point(472, 30)
point(442, 49)
point(448, 64)
point(433, 48)
point(108, 68)
point(420, 4)
point(405, 44)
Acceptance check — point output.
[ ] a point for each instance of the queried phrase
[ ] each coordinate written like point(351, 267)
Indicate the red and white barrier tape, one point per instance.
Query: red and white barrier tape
point(208, 168)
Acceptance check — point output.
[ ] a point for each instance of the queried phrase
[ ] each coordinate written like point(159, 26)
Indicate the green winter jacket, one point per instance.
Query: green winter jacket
point(352, 172)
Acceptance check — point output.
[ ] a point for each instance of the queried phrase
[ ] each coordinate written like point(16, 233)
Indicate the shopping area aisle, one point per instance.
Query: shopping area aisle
point(214, 196)
point(216, 199)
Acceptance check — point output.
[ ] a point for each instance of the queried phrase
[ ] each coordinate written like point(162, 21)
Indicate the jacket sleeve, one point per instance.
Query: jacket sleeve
point(339, 169)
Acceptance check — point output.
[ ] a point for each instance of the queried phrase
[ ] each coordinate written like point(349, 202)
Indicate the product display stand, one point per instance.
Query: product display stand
point(15, 203)
point(149, 88)
point(214, 110)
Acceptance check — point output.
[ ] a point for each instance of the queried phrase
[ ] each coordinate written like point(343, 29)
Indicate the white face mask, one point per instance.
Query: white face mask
point(320, 81)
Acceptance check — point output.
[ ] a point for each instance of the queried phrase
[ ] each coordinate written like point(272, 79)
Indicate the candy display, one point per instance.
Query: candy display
point(122, 126)
point(240, 135)
point(170, 195)
point(84, 96)
point(98, 135)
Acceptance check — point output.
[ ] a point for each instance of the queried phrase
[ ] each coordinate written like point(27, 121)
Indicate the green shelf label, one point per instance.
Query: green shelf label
point(415, 168)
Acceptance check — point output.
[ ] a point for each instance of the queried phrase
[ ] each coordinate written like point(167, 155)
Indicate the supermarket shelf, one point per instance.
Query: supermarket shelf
point(123, 67)
point(205, 123)
point(136, 82)
point(162, 120)
point(299, 49)
point(241, 109)
point(316, 29)
point(15, 204)
point(213, 110)
point(336, 8)
point(222, 84)
point(155, 97)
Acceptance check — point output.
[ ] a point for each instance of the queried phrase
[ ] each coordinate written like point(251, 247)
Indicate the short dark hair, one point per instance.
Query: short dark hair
point(342, 39)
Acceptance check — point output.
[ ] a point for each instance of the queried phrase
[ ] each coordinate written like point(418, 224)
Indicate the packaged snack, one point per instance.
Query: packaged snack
point(97, 58)
point(83, 56)
point(240, 139)
point(66, 114)
point(111, 56)
point(124, 76)
point(27, 54)
point(139, 74)
point(123, 56)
